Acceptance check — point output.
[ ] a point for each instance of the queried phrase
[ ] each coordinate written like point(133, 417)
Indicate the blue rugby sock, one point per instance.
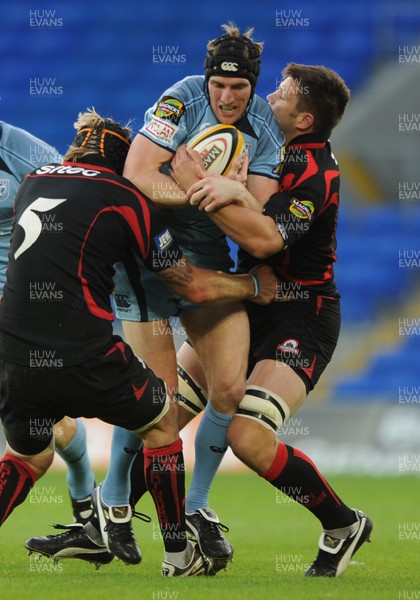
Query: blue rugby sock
point(210, 447)
point(115, 490)
point(80, 477)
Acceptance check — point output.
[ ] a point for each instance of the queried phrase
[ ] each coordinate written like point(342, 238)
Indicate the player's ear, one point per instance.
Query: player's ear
point(305, 121)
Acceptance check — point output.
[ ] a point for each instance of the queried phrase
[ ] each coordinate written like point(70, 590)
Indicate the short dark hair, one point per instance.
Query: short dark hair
point(322, 92)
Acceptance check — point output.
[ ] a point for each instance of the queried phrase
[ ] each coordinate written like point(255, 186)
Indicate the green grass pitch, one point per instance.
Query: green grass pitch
point(274, 541)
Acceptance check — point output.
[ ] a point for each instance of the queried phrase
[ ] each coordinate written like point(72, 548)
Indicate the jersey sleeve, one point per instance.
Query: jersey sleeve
point(294, 210)
point(24, 152)
point(169, 122)
point(164, 252)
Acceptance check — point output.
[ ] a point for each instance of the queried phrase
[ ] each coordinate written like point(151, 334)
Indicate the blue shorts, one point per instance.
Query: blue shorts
point(141, 296)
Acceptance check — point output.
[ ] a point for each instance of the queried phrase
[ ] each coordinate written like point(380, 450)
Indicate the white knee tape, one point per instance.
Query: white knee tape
point(190, 395)
point(264, 406)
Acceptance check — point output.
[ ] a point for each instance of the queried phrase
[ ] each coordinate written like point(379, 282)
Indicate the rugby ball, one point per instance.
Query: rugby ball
point(218, 145)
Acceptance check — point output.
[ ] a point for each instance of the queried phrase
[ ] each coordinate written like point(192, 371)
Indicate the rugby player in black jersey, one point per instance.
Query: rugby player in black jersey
point(72, 223)
point(292, 341)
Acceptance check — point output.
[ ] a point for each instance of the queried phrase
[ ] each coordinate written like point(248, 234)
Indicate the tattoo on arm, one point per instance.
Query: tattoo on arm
point(180, 275)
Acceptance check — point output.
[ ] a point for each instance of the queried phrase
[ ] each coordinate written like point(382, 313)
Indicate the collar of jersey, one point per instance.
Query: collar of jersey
point(317, 139)
point(91, 164)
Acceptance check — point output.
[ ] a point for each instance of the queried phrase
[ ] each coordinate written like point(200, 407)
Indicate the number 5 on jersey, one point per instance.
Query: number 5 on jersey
point(32, 224)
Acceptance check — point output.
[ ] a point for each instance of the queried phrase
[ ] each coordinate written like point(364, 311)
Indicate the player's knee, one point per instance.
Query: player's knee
point(227, 396)
point(243, 440)
point(164, 430)
point(64, 432)
point(37, 463)
point(191, 396)
point(251, 443)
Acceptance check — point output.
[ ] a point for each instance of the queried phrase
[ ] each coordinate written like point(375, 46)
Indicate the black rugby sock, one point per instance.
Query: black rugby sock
point(16, 481)
point(165, 477)
point(294, 474)
point(138, 480)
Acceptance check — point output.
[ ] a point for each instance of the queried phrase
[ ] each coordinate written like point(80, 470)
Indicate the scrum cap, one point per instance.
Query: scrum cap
point(107, 138)
point(233, 56)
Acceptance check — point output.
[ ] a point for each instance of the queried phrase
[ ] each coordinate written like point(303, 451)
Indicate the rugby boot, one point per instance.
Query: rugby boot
point(204, 526)
point(334, 554)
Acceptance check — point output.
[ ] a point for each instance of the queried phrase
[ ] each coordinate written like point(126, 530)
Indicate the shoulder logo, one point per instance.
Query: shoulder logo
point(170, 108)
point(302, 209)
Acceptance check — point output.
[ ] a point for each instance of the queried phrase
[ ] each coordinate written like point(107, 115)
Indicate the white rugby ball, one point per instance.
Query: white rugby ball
point(218, 145)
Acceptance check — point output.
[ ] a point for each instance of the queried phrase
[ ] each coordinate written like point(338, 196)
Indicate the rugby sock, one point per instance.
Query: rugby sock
point(80, 478)
point(138, 481)
point(294, 474)
point(115, 490)
point(165, 476)
point(16, 481)
point(210, 447)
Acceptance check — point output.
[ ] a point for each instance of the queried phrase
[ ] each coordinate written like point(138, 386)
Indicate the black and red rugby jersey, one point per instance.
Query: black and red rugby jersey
point(72, 222)
point(305, 210)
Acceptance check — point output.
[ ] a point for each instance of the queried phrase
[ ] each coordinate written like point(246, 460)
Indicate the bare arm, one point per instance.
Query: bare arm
point(142, 167)
point(261, 188)
point(209, 287)
point(254, 232)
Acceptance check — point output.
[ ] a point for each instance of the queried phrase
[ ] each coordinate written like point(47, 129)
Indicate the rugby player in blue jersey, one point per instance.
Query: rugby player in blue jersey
point(220, 335)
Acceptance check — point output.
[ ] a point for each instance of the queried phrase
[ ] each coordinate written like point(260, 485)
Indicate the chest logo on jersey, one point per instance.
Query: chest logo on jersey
point(170, 109)
point(4, 189)
point(161, 130)
point(303, 209)
point(163, 240)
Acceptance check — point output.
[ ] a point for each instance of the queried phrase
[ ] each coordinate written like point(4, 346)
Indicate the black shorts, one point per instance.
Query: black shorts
point(114, 386)
point(301, 333)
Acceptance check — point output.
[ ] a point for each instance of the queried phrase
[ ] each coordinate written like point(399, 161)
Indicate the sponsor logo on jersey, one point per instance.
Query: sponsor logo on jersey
point(170, 109)
point(161, 130)
point(302, 209)
point(229, 66)
point(67, 170)
point(121, 300)
point(4, 189)
point(163, 240)
point(290, 346)
point(282, 231)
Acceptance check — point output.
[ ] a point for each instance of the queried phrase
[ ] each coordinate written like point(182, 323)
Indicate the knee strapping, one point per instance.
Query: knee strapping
point(190, 395)
point(264, 406)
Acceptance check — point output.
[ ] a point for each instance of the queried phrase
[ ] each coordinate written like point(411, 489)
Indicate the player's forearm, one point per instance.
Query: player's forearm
point(252, 231)
point(206, 286)
point(161, 189)
point(220, 288)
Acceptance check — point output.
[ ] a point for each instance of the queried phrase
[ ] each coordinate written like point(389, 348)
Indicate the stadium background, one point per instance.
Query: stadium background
point(57, 58)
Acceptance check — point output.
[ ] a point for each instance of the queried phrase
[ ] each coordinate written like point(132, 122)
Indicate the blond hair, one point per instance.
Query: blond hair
point(231, 29)
point(94, 125)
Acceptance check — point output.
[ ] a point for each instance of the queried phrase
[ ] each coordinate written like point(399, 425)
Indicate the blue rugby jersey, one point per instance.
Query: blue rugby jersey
point(20, 153)
point(182, 111)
